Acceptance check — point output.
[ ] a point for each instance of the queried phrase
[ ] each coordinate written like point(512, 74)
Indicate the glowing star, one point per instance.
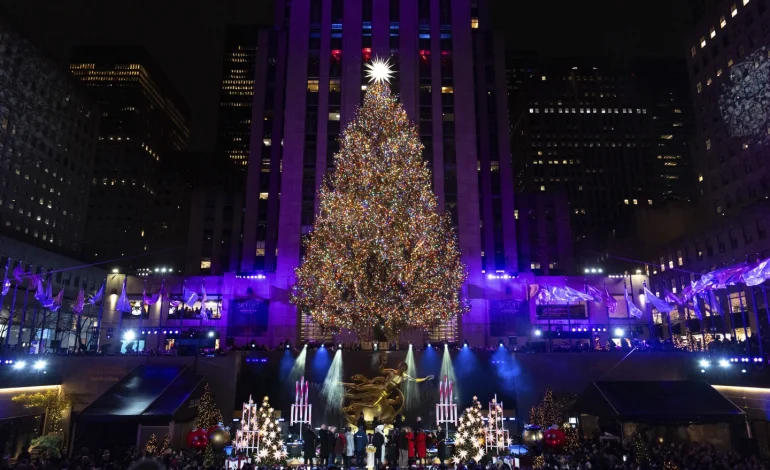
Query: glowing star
point(379, 71)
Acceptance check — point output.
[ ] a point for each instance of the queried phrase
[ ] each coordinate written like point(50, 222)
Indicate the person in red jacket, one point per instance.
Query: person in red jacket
point(410, 439)
point(340, 445)
point(420, 445)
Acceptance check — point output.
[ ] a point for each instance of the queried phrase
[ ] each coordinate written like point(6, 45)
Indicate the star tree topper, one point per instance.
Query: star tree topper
point(379, 70)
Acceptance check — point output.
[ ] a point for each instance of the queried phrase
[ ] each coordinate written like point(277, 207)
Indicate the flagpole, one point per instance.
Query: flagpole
point(99, 319)
point(23, 319)
point(160, 311)
point(588, 312)
point(756, 321)
point(743, 318)
point(58, 315)
point(628, 317)
point(10, 314)
point(79, 327)
point(732, 315)
point(143, 305)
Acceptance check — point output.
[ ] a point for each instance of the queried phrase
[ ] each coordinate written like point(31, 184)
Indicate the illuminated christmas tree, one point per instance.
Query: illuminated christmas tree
point(166, 444)
point(270, 451)
point(151, 446)
point(208, 413)
point(547, 413)
point(469, 438)
point(380, 255)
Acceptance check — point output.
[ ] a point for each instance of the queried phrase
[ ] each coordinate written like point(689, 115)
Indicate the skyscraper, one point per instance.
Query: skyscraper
point(137, 201)
point(48, 135)
point(608, 137)
point(450, 75)
point(237, 92)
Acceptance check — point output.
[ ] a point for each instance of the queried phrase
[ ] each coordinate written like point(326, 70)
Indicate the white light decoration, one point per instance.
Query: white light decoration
point(379, 70)
point(745, 101)
point(497, 438)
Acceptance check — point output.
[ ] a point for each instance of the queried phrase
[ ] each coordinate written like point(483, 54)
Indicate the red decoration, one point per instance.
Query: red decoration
point(554, 438)
point(196, 433)
point(200, 442)
point(366, 52)
point(337, 55)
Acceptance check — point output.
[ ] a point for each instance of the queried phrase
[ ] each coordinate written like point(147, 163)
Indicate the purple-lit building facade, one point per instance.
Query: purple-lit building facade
point(451, 80)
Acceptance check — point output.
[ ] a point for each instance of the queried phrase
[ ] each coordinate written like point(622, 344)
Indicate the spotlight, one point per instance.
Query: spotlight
point(339, 345)
point(743, 371)
point(445, 346)
point(19, 365)
point(619, 332)
point(429, 345)
point(538, 333)
point(704, 364)
point(723, 363)
point(176, 332)
point(501, 343)
point(322, 346)
point(129, 335)
point(465, 343)
point(211, 334)
point(39, 365)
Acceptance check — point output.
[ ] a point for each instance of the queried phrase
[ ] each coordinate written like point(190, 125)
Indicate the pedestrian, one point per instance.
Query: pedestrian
point(403, 448)
point(378, 441)
point(392, 445)
point(308, 445)
point(410, 437)
point(323, 441)
point(333, 446)
point(441, 447)
point(361, 423)
point(420, 441)
point(350, 446)
point(361, 440)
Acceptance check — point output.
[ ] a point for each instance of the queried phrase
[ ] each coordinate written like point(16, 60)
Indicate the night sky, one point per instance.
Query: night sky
point(186, 36)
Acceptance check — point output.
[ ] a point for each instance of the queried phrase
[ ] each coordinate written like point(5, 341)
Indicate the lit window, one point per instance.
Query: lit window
point(635, 203)
point(700, 177)
point(649, 202)
point(699, 87)
point(722, 22)
point(693, 51)
point(474, 23)
point(708, 81)
point(263, 196)
point(516, 214)
point(730, 62)
point(713, 32)
point(702, 42)
point(719, 72)
point(205, 263)
point(447, 89)
point(708, 144)
point(312, 86)
point(625, 201)
point(680, 258)
point(734, 10)
point(677, 111)
point(334, 85)
point(542, 188)
point(542, 78)
point(667, 137)
point(267, 142)
point(745, 2)
point(334, 116)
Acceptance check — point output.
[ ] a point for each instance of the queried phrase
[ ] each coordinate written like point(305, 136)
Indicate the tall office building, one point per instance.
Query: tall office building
point(727, 56)
point(137, 201)
point(237, 92)
point(450, 75)
point(612, 139)
point(48, 135)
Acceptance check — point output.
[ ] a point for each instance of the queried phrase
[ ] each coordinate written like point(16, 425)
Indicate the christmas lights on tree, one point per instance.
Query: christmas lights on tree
point(380, 255)
point(270, 451)
point(166, 445)
point(547, 413)
point(469, 438)
point(208, 413)
point(151, 446)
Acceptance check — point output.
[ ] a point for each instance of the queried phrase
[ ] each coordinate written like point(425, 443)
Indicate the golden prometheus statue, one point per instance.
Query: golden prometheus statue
point(378, 397)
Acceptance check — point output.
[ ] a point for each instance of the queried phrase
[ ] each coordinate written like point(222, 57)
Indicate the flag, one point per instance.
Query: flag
point(189, 296)
point(716, 309)
point(661, 305)
point(123, 304)
point(596, 294)
point(612, 303)
point(632, 309)
point(57, 301)
point(80, 301)
point(696, 307)
point(204, 314)
point(97, 296)
point(153, 299)
point(17, 272)
point(757, 274)
point(673, 298)
point(39, 291)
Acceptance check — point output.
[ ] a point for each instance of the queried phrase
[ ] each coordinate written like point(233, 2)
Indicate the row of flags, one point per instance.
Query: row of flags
point(44, 293)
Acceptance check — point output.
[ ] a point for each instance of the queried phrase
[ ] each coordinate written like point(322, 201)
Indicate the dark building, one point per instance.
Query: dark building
point(609, 138)
point(544, 234)
point(48, 135)
point(237, 92)
point(450, 75)
point(137, 203)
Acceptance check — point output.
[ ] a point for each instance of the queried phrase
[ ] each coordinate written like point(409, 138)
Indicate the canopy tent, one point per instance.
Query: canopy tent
point(657, 402)
point(149, 393)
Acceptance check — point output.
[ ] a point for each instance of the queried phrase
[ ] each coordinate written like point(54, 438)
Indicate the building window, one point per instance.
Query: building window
point(702, 42)
point(542, 188)
point(734, 10)
point(745, 2)
point(447, 89)
point(635, 202)
point(206, 263)
point(722, 22)
point(693, 51)
point(625, 201)
point(312, 86)
point(534, 265)
point(712, 32)
point(708, 144)
point(474, 23)
point(699, 87)
point(267, 142)
point(334, 116)
point(700, 177)
point(719, 72)
point(679, 257)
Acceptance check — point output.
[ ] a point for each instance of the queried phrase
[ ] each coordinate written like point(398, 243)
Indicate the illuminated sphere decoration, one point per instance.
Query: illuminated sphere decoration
point(745, 99)
point(532, 435)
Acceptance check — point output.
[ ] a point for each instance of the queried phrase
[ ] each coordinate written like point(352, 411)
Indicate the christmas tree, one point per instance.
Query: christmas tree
point(166, 444)
point(271, 452)
point(547, 413)
point(380, 255)
point(469, 439)
point(151, 446)
point(208, 456)
point(208, 413)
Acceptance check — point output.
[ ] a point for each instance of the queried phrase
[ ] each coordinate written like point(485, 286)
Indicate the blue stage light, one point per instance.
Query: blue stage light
point(704, 363)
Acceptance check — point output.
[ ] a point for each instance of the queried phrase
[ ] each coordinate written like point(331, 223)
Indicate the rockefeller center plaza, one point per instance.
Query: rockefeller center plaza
point(385, 234)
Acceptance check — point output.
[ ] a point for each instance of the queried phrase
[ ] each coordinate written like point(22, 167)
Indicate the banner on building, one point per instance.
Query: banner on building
point(508, 317)
point(247, 317)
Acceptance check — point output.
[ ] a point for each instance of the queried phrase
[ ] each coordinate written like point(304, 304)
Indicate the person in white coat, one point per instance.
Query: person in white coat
point(378, 441)
point(350, 447)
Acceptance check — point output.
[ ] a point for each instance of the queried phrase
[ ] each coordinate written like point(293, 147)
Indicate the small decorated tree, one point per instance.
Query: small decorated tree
point(469, 439)
point(151, 446)
point(208, 413)
point(166, 444)
point(271, 452)
point(547, 413)
point(208, 456)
